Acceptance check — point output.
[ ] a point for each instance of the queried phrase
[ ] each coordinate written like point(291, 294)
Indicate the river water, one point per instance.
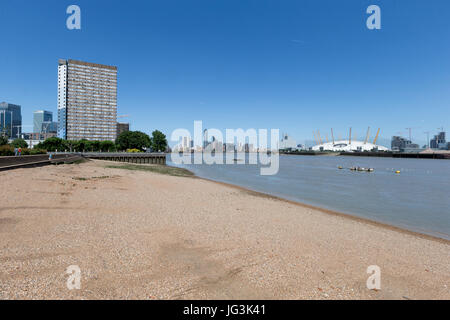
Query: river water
point(417, 199)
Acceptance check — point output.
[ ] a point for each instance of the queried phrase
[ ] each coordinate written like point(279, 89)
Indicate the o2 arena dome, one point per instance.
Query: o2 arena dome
point(348, 145)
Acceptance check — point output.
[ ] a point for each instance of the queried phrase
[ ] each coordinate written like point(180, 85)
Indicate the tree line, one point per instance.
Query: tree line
point(7, 149)
point(134, 141)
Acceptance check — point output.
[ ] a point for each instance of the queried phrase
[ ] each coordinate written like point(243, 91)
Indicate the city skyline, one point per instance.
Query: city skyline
point(315, 71)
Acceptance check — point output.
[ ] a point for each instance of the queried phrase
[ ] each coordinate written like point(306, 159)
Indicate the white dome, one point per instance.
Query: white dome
point(345, 145)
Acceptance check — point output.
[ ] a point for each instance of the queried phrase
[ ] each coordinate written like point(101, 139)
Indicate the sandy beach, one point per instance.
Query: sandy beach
point(144, 235)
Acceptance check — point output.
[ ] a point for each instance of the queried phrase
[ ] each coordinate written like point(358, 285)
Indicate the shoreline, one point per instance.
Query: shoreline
point(149, 233)
point(327, 211)
point(333, 212)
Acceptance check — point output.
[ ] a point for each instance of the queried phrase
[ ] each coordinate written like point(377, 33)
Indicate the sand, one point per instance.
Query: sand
point(141, 235)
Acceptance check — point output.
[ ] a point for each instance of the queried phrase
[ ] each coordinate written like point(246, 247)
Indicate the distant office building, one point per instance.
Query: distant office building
point(438, 142)
point(287, 143)
point(213, 145)
point(399, 143)
point(248, 147)
point(413, 148)
point(33, 139)
point(205, 138)
point(87, 101)
point(50, 127)
point(43, 122)
point(36, 136)
point(229, 147)
point(10, 120)
point(122, 127)
point(187, 144)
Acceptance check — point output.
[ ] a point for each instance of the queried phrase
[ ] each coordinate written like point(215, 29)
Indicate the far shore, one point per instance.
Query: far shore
point(149, 232)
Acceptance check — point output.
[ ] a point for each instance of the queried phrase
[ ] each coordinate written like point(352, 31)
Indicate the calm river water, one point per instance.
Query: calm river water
point(417, 199)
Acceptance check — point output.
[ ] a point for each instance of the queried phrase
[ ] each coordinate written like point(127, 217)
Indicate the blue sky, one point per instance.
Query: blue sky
point(294, 65)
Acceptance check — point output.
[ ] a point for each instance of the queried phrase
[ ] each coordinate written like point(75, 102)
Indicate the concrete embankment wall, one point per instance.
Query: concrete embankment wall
point(9, 163)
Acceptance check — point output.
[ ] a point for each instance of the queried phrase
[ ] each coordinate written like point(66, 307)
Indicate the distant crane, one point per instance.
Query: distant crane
point(410, 137)
point(428, 138)
point(410, 132)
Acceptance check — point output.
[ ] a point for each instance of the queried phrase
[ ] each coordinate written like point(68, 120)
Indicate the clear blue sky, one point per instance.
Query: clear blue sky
point(294, 65)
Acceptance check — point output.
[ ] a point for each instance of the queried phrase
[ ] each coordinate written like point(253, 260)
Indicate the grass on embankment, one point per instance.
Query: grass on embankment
point(171, 171)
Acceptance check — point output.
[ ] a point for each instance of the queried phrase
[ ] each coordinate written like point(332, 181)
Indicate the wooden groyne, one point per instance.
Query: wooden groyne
point(143, 158)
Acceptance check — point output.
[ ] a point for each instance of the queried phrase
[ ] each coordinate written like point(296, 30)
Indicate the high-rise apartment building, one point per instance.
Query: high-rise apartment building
point(87, 101)
point(10, 120)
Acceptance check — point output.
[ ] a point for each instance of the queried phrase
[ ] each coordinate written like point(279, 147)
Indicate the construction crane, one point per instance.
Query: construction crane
point(123, 116)
point(376, 137)
point(367, 135)
point(428, 138)
point(409, 130)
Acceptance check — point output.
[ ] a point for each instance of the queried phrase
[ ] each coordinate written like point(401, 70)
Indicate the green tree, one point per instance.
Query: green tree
point(3, 141)
point(133, 140)
point(53, 144)
point(95, 146)
point(19, 143)
point(82, 145)
point(107, 146)
point(159, 141)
